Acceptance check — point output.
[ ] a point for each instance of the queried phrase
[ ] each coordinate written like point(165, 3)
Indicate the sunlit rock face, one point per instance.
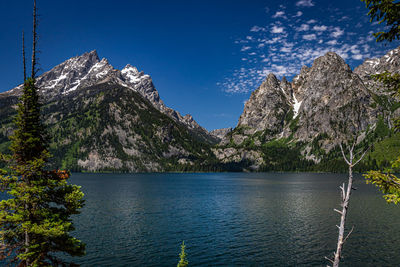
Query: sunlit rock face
point(87, 70)
point(324, 104)
point(102, 118)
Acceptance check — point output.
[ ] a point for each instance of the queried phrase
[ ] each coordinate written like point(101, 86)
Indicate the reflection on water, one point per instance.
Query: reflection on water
point(231, 219)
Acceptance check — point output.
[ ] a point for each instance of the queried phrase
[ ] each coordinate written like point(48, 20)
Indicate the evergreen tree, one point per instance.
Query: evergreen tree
point(387, 11)
point(35, 221)
point(183, 261)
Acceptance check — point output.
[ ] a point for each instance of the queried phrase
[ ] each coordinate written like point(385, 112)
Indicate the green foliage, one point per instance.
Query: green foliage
point(387, 182)
point(35, 220)
point(183, 261)
point(385, 151)
point(385, 11)
point(279, 155)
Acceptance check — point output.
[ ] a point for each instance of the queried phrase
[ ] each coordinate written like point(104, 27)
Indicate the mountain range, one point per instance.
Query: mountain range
point(104, 119)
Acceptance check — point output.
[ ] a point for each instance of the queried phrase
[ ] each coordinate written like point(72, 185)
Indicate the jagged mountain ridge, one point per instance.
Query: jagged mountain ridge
point(88, 70)
point(109, 127)
point(323, 104)
point(103, 119)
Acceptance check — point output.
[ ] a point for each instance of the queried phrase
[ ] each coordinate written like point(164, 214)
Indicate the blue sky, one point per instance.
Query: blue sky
point(205, 57)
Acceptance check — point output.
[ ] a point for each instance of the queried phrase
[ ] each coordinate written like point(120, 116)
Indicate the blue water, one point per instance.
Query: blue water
point(231, 219)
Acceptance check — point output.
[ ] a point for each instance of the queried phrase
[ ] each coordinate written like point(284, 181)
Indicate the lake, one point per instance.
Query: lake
point(231, 219)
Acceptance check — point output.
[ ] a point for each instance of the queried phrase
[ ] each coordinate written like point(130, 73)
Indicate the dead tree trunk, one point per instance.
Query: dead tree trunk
point(345, 201)
point(23, 55)
point(34, 42)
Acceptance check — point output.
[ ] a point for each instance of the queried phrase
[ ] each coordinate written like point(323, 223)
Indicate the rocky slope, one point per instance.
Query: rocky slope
point(220, 133)
point(101, 119)
point(87, 70)
point(323, 105)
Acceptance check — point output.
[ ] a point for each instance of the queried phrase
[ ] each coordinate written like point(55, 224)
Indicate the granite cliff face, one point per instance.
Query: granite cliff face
point(324, 104)
point(220, 133)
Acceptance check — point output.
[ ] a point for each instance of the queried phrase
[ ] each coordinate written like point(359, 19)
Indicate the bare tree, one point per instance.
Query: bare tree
point(345, 194)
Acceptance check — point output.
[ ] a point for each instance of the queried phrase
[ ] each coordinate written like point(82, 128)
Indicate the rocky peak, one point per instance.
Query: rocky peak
point(88, 70)
point(221, 133)
point(286, 87)
point(129, 69)
point(330, 61)
point(266, 108)
point(331, 95)
point(389, 62)
point(298, 81)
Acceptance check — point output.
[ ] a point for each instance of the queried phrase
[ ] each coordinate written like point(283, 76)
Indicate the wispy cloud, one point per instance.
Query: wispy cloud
point(298, 14)
point(257, 29)
point(276, 29)
point(337, 32)
point(303, 27)
point(279, 14)
point(305, 3)
point(320, 28)
point(309, 37)
point(332, 42)
point(283, 48)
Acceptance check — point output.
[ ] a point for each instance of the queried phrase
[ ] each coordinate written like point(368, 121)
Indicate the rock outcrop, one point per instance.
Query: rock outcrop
point(322, 106)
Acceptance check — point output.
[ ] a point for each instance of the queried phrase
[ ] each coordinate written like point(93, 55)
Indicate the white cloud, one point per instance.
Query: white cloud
point(298, 14)
point(320, 28)
point(303, 27)
point(276, 29)
point(337, 32)
point(279, 14)
point(286, 49)
point(309, 37)
point(344, 18)
point(283, 48)
point(306, 3)
point(332, 42)
point(257, 29)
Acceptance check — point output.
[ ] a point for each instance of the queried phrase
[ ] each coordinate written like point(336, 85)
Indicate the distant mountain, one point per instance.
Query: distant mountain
point(294, 125)
point(88, 70)
point(104, 119)
point(101, 118)
point(220, 133)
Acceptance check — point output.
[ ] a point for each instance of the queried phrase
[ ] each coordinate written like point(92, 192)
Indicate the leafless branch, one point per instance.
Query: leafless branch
point(329, 259)
point(344, 156)
point(338, 211)
point(352, 228)
point(362, 156)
